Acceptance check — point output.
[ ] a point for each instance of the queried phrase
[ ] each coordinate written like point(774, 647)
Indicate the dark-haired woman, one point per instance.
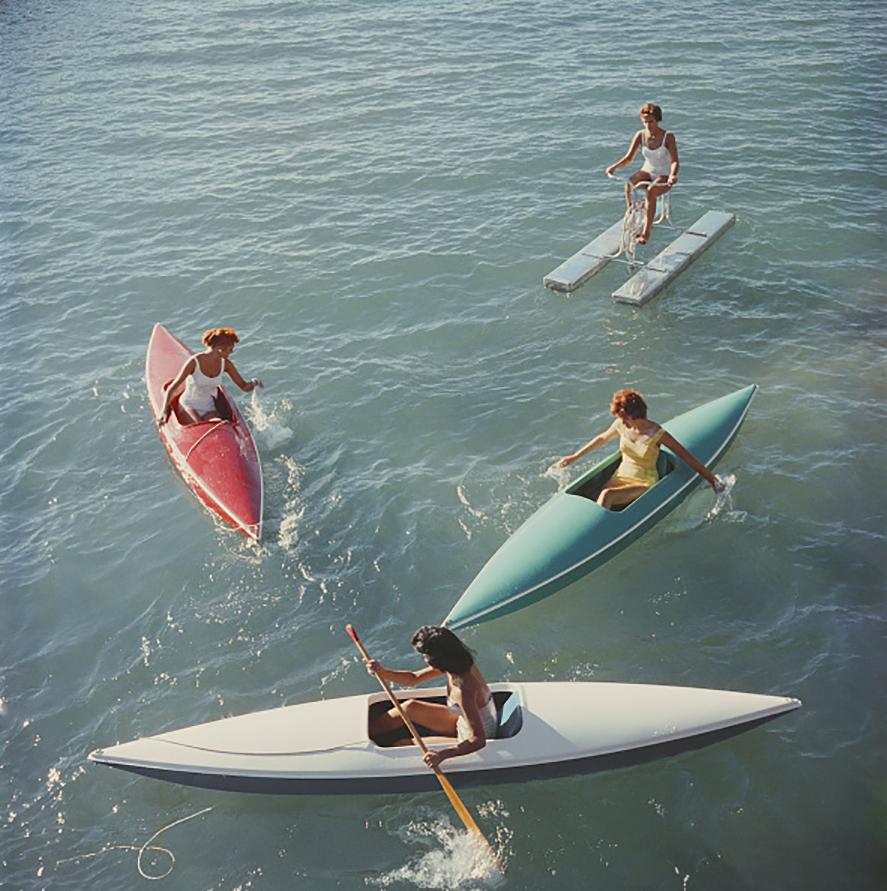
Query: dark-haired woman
point(660, 150)
point(201, 376)
point(639, 442)
point(470, 713)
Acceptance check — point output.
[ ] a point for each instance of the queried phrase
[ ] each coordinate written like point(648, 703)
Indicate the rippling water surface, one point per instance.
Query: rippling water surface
point(371, 194)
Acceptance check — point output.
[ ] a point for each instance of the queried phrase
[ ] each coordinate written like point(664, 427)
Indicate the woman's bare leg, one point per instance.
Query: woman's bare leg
point(617, 494)
point(435, 717)
point(192, 416)
point(639, 176)
point(653, 192)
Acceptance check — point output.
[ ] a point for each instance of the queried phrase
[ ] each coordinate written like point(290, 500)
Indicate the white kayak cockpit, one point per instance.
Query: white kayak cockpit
point(508, 710)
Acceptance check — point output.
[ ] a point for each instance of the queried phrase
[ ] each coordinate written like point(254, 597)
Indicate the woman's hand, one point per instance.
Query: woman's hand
point(374, 666)
point(165, 416)
point(255, 382)
point(609, 171)
point(433, 759)
point(566, 460)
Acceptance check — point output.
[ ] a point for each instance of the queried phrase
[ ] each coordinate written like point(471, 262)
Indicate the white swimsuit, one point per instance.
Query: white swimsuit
point(200, 390)
point(657, 161)
point(488, 714)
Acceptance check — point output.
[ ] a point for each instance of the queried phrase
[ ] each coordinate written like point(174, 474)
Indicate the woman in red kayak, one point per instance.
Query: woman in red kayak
point(202, 375)
point(470, 713)
point(660, 150)
point(639, 442)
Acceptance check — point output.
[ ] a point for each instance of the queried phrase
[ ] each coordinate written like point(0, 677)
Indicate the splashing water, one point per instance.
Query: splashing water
point(293, 508)
point(265, 423)
point(561, 475)
point(723, 506)
point(455, 859)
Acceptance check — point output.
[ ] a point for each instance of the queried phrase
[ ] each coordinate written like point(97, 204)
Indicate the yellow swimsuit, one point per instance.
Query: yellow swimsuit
point(638, 467)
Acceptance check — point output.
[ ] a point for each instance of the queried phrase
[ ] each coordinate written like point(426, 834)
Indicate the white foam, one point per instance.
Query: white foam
point(561, 475)
point(723, 506)
point(265, 423)
point(455, 858)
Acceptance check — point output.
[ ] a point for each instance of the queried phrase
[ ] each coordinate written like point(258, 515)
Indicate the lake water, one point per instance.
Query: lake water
point(371, 194)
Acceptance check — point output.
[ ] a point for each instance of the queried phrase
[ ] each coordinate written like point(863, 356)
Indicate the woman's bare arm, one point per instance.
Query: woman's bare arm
point(234, 374)
point(671, 143)
point(610, 433)
point(173, 388)
point(626, 158)
point(684, 455)
point(402, 678)
point(467, 701)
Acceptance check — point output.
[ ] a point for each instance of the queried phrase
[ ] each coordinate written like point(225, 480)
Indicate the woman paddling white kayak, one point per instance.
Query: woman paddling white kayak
point(469, 714)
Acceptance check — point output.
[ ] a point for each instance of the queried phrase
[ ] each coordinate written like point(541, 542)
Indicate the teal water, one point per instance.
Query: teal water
point(371, 195)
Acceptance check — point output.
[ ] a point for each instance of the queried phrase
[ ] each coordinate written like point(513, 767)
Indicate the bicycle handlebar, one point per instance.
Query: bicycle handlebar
point(643, 184)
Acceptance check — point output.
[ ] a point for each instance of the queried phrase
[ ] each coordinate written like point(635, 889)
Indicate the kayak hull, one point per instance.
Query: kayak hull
point(218, 460)
point(427, 782)
point(552, 729)
point(571, 535)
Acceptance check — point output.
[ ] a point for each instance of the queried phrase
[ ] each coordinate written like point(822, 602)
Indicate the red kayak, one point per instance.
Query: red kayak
point(217, 459)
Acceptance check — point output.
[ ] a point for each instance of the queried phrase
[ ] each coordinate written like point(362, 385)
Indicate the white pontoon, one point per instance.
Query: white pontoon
point(618, 243)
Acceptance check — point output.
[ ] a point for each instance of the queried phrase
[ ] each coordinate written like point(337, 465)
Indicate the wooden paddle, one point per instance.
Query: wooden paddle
point(460, 808)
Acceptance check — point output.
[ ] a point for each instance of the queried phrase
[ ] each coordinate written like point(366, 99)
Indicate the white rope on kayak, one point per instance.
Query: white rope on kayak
point(216, 425)
point(335, 747)
point(147, 846)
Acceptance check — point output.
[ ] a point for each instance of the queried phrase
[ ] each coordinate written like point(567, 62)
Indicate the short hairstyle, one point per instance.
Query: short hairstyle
point(650, 108)
point(219, 335)
point(444, 650)
point(628, 402)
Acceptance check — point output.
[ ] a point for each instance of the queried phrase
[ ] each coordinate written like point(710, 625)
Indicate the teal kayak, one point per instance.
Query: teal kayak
point(570, 535)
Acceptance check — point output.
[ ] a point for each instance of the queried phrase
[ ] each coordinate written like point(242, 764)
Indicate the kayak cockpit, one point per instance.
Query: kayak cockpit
point(590, 486)
point(223, 407)
point(508, 711)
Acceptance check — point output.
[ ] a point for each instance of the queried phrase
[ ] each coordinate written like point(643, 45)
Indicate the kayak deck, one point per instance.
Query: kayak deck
point(546, 729)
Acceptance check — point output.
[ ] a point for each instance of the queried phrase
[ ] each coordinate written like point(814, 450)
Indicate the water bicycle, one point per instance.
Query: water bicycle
point(619, 242)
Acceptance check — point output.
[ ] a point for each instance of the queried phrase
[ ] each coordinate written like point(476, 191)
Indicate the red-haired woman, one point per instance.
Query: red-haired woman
point(660, 150)
point(639, 442)
point(202, 375)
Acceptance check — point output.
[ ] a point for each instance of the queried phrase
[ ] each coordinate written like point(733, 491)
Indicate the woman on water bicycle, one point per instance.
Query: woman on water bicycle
point(660, 150)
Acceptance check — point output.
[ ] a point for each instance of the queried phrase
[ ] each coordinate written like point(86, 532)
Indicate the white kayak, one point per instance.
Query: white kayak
point(545, 729)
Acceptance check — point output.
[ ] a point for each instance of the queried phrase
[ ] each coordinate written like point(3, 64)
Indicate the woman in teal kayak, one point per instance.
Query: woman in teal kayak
point(639, 442)
point(201, 376)
point(470, 713)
